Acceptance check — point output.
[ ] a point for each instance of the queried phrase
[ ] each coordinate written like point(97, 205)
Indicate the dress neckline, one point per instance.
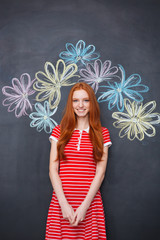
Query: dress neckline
point(86, 129)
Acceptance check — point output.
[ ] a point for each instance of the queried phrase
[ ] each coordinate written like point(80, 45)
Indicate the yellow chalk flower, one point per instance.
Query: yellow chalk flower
point(49, 83)
point(137, 121)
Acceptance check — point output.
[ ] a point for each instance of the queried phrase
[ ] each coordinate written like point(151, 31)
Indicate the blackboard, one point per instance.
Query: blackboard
point(124, 33)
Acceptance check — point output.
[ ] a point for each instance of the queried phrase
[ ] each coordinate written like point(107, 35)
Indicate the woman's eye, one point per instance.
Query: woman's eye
point(86, 100)
point(75, 100)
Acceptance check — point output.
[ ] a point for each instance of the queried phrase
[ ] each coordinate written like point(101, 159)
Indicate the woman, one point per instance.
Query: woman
point(78, 160)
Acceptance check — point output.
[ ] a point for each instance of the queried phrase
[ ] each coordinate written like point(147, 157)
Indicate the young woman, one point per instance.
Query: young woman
point(78, 160)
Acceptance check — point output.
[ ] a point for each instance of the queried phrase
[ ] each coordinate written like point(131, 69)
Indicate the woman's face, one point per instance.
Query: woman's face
point(81, 103)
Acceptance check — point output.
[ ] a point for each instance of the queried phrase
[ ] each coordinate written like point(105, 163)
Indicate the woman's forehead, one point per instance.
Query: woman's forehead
point(80, 93)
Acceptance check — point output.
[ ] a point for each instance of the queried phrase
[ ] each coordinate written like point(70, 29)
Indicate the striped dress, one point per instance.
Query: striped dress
point(76, 175)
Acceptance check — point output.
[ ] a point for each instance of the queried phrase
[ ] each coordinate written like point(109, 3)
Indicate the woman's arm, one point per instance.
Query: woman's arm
point(66, 208)
point(98, 179)
point(94, 187)
point(53, 174)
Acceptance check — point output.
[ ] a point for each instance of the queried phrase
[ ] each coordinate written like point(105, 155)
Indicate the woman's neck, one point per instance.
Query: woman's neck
point(82, 123)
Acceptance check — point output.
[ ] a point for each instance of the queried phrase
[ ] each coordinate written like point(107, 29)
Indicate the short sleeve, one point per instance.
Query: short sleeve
point(106, 137)
point(55, 134)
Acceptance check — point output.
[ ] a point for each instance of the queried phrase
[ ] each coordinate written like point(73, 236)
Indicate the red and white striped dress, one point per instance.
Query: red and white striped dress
point(76, 175)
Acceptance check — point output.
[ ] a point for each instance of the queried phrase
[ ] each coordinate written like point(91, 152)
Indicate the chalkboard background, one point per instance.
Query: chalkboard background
point(124, 32)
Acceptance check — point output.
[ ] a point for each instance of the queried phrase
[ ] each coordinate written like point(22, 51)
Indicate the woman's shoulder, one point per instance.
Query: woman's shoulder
point(55, 133)
point(56, 129)
point(106, 137)
point(104, 129)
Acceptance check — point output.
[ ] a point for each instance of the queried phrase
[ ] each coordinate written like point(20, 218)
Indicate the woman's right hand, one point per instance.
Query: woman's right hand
point(67, 212)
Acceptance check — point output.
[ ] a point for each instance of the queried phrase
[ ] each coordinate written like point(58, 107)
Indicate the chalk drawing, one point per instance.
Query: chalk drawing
point(97, 72)
point(137, 120)
point(49, 84)
point(41, 119)
point(79, 53)
point(17, 96)
point(117, 90)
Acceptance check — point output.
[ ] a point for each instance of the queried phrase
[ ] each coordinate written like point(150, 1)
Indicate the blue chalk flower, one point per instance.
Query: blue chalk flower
point(79, 53)
point(130, 87)
point(42, 118)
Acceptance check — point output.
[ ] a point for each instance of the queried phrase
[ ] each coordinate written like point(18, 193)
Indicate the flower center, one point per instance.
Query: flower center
point(119, 90)
point(45, 117)
point(24, 95)
point(135, 120)
point(58, 85)
point(99, 80)
point(78, 58)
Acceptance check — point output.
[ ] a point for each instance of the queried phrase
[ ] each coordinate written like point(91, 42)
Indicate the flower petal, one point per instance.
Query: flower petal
point(133, 95)
point(68, 57)
point(148, 129)
point(134, 80)
point(51, 72)
point(40, 126)
point(148, 108)
point(44, 95)
point(80, 48)
point(10, 92)
point(35, 122)
point(132, 132)
point(68, 73)
point(120, 102)
point(25, 80)
point(91, 57)
point(54, 99)
point(106, 96)
point(48, 127)
point(98, 67)
point(51, 113)
point(86, 75)
point(10, 100)
point(88, 51)
point(138, 88)
point(124, 131)
point(20, 109)
point(153, 118)
point(60, 69)
point(121, 116)
point(49, 124)
point(139, 133)
point(13, 105)
point(35, 115)
point(107, 70)
point(43, 80)
point(123, 74)
point(71, 49)
point(17, 85)
point(40, 109)
point(112, 102)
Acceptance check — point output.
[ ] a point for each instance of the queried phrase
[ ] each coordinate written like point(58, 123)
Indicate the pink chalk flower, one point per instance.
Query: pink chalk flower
point(97, 72)
point(17, 96)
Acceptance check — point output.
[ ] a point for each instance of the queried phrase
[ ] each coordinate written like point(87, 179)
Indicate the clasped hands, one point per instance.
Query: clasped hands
point(74, 217)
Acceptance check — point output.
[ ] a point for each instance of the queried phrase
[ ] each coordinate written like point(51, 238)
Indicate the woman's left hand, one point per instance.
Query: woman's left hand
point(79, 214)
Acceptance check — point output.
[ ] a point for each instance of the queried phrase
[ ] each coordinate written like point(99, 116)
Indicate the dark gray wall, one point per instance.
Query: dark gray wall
point(33, 32)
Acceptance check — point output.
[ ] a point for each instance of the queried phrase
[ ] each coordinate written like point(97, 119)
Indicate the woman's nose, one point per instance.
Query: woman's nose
point(81, 103)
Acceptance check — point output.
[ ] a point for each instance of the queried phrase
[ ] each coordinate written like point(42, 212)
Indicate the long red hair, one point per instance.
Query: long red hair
point(69, 120)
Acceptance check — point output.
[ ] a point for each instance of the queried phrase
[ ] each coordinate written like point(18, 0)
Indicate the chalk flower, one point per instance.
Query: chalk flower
point(137, 120)
point(98, 72)
point(116, 91)
point(17, 95)
point(79, 52)
point(42, 118)
point(49, 83)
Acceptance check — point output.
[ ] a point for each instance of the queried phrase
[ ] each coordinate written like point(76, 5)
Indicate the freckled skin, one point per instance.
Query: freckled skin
point(81, 103)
